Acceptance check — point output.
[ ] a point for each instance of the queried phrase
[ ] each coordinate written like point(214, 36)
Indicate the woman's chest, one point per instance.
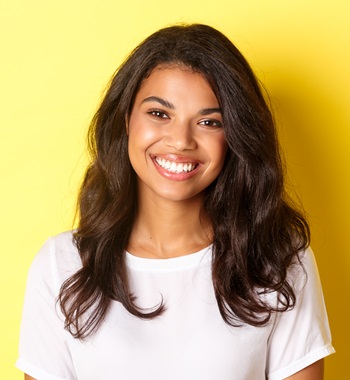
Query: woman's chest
point(189, 340)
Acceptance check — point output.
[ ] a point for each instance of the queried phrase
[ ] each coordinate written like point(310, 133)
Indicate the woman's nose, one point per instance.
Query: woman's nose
point(180, 136)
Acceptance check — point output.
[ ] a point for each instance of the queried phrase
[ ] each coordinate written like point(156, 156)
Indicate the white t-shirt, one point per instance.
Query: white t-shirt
point(189, 341)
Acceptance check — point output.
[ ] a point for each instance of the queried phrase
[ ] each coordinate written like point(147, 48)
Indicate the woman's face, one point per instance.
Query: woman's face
point(176, 143)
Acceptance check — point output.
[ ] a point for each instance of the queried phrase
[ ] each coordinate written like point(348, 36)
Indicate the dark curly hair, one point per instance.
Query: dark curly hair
point(258, 232)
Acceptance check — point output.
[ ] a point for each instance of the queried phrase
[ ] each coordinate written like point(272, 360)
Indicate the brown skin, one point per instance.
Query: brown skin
point(176, 117)
point(312, 372)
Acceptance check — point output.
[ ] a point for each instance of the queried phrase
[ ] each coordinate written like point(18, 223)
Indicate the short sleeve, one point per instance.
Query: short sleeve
point(301, 336)
point(43, 349)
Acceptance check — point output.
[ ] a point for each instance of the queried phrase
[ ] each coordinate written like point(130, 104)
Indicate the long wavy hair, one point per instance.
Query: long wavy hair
point(258, 233)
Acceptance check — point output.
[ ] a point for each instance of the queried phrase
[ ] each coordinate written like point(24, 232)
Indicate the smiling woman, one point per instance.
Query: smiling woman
point(189, 261)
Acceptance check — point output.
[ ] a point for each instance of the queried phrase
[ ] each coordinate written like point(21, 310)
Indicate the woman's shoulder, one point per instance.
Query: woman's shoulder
point(61, 246)
point(304, 277)
point(57, 259)
point(304, 264)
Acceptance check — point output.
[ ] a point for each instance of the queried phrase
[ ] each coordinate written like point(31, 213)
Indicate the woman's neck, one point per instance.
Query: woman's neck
point(169, 229)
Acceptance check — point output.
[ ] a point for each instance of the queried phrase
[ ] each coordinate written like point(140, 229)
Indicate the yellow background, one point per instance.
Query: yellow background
point(57, 56)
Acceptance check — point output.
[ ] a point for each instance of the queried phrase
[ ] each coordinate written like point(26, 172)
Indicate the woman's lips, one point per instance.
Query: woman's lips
point(173, 167)
point(176, 167)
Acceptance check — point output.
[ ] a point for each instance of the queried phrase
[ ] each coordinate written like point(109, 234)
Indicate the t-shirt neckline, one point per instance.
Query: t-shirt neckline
point(175, 263)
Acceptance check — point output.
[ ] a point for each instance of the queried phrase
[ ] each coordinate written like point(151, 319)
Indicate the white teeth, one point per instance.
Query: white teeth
point(173, 167)
point(179, 168)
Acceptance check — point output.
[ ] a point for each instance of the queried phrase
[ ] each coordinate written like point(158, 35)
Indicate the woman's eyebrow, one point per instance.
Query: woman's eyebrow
point(165, 103)
point(209, 111)
point(161, 101)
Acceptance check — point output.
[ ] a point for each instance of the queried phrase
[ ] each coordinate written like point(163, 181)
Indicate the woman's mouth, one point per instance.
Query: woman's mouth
point(173, 167)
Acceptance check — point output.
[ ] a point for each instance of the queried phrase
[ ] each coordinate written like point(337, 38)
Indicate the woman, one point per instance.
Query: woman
point(188, 262)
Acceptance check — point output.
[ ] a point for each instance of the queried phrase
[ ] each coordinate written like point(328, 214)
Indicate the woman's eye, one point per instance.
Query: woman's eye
point(158, 114)
point(211, 123)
